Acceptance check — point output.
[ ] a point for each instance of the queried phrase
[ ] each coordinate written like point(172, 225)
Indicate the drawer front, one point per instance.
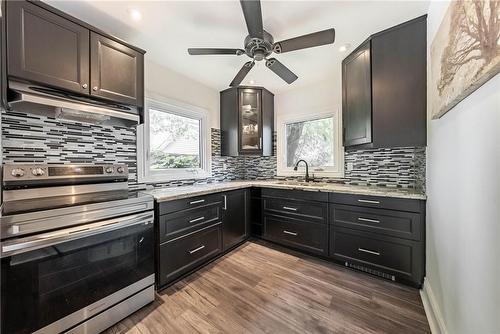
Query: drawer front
point(402, 258)
point(307, 195)
point(400, 224)
point(311, 237)
point(379, 202)
point(181, 255)
point(315, 211)
point(182, 222)
point(189, 203)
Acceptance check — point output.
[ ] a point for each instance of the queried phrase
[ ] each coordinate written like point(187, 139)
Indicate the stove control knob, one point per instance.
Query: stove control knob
point(109, 170)
point(37, 171)
point(120, 169)
point(17, 172)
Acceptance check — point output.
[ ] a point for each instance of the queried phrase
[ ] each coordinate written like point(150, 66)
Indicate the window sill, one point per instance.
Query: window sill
point(162, 178)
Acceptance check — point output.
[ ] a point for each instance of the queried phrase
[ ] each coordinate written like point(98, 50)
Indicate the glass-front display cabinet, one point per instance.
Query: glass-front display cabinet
point(247, 121)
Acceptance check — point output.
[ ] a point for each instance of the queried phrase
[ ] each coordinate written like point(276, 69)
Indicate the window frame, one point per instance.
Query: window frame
point(337, 171)
point(144, 172)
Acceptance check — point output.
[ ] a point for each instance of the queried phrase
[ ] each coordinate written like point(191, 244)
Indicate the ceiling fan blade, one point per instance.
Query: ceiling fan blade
point(214, 51)
point(242, 73)
point(281, 70)
point(305, 41)
point(253, 17)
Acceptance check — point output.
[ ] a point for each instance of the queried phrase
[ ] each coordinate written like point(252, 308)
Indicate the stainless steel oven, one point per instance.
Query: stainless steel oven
point(83, 267)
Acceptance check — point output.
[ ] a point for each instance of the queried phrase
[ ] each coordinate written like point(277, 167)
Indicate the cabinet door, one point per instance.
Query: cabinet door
point(356, 97)
point(46, 48)
point(250, 121)
point(117, 71)
point(234, 217)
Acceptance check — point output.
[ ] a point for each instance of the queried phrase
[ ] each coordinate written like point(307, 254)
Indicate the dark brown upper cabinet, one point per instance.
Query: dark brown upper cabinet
point(246, 121)
point(384, 89)
point(48, 47)
point(116, 71)
point(357, 99)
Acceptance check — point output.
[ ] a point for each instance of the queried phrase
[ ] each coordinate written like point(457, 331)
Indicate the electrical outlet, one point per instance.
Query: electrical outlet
point(224, 166)
point(350, 166)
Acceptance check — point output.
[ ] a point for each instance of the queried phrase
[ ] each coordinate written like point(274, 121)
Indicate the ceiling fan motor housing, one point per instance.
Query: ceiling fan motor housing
point(257, 48)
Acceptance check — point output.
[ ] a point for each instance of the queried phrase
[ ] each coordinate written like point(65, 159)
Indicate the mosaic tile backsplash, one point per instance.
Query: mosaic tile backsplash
point(31, 138)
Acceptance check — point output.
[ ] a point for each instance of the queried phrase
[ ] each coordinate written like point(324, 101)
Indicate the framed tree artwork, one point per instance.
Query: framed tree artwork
point(465, 52)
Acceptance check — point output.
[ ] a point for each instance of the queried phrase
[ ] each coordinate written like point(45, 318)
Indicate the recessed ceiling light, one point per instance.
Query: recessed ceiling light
point(345, 47)
point(251, 82)
point(135, 14)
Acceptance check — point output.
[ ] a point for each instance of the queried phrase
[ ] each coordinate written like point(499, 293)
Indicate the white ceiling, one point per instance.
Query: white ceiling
point(168, 28)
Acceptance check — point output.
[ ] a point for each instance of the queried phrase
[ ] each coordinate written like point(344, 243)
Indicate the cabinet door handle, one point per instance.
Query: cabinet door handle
point(225, 202)
point(197, 202)
point(368, 220)
point(260, 142)
point(368, 201)
point(196, 219)
point(291, 233)
point(84, 85)
point(95, 88)
point(368, 251)
point(289, 208)
point(196, 249)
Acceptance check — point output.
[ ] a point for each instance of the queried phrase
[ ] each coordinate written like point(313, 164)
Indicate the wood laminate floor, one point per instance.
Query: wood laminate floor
point(261, 288)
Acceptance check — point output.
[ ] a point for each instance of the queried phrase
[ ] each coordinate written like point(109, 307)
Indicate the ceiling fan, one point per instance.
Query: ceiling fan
point(259, 45)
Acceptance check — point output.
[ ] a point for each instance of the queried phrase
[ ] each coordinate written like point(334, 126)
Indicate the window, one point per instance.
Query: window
point(172, 143)
point(315, 139)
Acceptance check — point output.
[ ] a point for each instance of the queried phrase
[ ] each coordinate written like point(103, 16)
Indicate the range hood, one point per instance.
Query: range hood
point(63, 105)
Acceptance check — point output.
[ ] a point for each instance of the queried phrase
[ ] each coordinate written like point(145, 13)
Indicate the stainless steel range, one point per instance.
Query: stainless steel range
point(77, 248)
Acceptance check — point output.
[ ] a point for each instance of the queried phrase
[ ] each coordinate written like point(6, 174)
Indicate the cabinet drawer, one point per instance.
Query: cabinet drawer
point(380, 202)
point(315, 211)
point(400, 224)
point(311, 237)
point(399, 257)
point(181, 255)
point(307, 195)
point(175, 224)
point(189, 203)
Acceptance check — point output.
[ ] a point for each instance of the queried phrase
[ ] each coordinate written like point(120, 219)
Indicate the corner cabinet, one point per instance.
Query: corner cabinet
point(384, 89)
point(246, 121)
point(48, 47)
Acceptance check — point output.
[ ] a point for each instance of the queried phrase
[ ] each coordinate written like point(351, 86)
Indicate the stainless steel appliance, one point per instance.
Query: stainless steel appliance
point(77, 248)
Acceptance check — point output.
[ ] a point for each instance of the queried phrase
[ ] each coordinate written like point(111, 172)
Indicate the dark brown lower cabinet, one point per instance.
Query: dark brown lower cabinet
point(235, 217)
point(379, 235)
point(394, 258)
point(308, 236)
point(181, 255)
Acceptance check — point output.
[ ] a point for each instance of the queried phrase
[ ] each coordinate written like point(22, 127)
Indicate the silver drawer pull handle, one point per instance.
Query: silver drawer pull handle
point(289, 208)
point(196, 249)
point(368, 201)
point(196, 219)
point(291, 233)
point(368, 220)
point(198, 201)
point(368, 251)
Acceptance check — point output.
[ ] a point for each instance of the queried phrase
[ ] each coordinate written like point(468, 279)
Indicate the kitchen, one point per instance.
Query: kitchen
point(157, 180)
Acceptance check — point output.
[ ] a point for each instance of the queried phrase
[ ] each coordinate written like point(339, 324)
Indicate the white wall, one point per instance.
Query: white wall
point(163, 81)
point(463, 208)
point(317, 97)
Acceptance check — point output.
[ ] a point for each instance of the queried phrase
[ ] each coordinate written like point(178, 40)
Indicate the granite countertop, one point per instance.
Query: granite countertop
point(172, 193)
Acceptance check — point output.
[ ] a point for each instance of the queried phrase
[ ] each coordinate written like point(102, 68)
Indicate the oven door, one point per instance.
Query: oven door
point(52, 281)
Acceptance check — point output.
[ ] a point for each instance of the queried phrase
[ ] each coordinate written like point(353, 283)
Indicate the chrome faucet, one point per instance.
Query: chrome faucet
point(307, 168)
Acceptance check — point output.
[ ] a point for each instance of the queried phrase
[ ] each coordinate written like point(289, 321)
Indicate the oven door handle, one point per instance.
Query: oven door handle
point(23, 245)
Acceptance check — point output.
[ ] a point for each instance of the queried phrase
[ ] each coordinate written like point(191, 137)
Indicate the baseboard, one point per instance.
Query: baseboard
point(436, 321)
